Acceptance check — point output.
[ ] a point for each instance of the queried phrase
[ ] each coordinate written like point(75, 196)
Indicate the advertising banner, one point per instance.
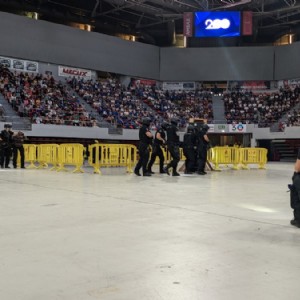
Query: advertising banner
point(289, 82)
point(71, 72)
point(19, 64)
point(188, 20)
point(177, 86)
point(247, 23)
point(238, 128)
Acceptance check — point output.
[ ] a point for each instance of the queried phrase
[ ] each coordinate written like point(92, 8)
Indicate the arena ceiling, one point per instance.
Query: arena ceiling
point(155, 21)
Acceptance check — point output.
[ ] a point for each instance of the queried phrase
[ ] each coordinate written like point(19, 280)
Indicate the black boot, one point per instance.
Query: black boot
point(175, 174)
point(166, 170)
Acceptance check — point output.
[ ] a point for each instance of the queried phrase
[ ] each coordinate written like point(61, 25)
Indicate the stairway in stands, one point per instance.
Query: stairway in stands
point(285, 150)
point(11, 116)
point(218, 110)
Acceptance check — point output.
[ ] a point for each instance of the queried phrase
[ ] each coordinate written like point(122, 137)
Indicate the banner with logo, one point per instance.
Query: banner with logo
point(138, 82)
point(188, 21)
point(237, 128)
point(79, 73)
point(177, 86)
point(290, 82)
point(19, 64)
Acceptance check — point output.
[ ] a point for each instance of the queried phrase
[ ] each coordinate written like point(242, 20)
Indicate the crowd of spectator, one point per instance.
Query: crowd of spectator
point(263, 108)
point(178, 104)
point(125, 105)
point(115, 103)
point(42, 99)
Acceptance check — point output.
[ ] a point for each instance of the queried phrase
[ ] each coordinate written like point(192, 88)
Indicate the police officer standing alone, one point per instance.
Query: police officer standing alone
point(159, 141)
point(173, 147)
point(203, 142)
point(189, 149)
point(145, 137)
point(295, 193)
point(5, 146)
point(18, 141)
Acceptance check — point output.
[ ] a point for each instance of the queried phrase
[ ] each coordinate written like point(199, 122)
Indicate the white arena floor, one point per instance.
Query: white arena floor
point(223, 236)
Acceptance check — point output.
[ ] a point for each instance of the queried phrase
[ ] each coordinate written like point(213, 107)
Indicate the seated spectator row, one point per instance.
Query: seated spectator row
point(42, 99)
point(126, 106)
point(263, 109)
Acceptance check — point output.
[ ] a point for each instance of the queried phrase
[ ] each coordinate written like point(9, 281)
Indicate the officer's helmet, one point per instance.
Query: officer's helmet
point(164, 125)
point(7, 125)
point(174, 121)
point(146, 121)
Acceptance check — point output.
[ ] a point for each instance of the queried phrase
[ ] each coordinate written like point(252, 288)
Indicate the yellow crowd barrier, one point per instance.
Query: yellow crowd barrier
point(224, 156)
point(253, 156)
point(30, 155)
point(112, 155)
point(235, 156)
point(47, 154)
point(70, 154)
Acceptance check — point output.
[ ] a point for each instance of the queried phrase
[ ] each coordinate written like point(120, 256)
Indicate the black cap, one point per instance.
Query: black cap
point(7, 125)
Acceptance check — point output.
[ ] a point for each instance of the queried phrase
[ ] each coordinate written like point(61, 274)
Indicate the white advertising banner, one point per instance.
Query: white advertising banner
point(19, 64)
point(237, 128)
point(177, 86)
point(79, 73)
point(290, 82)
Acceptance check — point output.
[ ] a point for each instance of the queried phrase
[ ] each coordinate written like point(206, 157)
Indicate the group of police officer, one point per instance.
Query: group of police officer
point(11, 143)
point(195, 144)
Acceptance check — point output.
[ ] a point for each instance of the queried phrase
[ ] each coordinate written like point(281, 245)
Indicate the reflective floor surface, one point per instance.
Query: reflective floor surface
point(222, 236)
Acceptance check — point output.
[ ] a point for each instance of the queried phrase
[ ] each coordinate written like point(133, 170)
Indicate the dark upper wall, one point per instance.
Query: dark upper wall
point(226, 63)
point(44, 41)
point(47, 42)
point(287, 62)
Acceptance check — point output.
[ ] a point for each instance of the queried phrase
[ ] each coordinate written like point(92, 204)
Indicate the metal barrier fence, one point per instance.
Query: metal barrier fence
point(237, 156)
point(122, 155)
point(112, 155)
point(47, 154)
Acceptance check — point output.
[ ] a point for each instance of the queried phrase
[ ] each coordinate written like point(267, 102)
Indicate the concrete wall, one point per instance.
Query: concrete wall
point(57, 44)
point(209, 64)
point(132, 135)
point(287, 62)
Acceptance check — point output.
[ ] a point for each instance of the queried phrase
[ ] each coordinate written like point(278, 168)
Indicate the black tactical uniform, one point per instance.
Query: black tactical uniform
point(157, 150)
point(5, 146)
point(173, 147)
point(145, 141)
point(202, 150)
point(18, 141)
point(189, 149)
point(295, 196)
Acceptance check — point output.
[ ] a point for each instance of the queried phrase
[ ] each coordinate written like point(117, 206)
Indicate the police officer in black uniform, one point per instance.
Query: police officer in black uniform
point(203, 142)
point(173, 147)
point(295, 193)
point(189, 149)
point(5, 146)
point(145, 137)
point(18, 141)
point(159, 141)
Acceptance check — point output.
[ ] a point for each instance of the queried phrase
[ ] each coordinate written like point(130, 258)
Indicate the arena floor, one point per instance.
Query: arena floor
point(223, 236)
